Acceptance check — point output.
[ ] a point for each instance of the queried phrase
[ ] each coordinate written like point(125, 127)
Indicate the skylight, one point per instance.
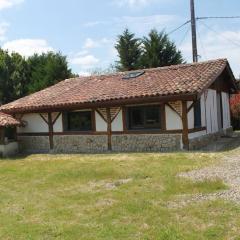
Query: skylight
point(134, 74)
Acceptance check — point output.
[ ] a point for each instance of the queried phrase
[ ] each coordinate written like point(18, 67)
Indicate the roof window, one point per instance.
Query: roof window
point(134, 74)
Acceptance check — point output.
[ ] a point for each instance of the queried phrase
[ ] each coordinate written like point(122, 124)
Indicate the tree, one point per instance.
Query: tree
point(47, 69)
point(159, 51)
point(129, 51)
point(14, 76)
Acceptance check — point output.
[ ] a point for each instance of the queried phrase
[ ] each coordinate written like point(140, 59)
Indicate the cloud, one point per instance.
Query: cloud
point(90, 43)
point(147, 22)
point(27, 47)
point(225, 44)
point(140, 24)
point(3, 29)
point(9, 3)
point(84, 74)
point(85, 62)
point(132, 3)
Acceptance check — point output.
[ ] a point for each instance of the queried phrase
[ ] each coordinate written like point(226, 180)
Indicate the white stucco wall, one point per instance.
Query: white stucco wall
point(101, 125)
point(117, 124)
point(211, 111)
point(35, 124)
point(9, 149)
point(173, 120)
point(226, 111)
point(58, 126)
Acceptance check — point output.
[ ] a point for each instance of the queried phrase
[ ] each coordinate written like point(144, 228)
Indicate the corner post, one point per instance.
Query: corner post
point(2, 135)
point(109, 129)
point(185, 138)
point(50, 129)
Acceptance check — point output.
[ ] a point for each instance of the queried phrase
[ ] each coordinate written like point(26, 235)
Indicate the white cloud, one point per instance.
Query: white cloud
point(85, 62)
point(90, 43)
point(211, 45)
point(3, 29)
point(9, 3)
point(27, 47)
point(141, 24)
point(132, 3)
point(84, 74)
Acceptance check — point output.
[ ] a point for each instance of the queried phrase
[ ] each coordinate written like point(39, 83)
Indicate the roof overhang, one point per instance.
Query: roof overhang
point(101, 104)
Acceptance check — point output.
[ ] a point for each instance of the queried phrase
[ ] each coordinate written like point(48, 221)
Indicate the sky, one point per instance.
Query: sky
point(86, 31)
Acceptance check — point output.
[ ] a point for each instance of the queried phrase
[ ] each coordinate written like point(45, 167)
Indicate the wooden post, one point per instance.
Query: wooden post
point(50, 128)
point(185, 138)
point(109, 129)
point(2, 136)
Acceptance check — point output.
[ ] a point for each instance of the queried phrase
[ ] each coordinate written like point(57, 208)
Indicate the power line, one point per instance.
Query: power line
point(217, 17)
point(176, 29)
point(201, 44)
point(184, 37)
point(211, 29)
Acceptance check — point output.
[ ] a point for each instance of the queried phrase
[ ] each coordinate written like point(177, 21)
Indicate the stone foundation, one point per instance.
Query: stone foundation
point(99, 143)
point(203, 141)
point(146, 142)
point(33, 144)
point(80, 144)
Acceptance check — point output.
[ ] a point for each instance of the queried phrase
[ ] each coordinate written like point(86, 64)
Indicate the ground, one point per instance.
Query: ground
point(120, 196)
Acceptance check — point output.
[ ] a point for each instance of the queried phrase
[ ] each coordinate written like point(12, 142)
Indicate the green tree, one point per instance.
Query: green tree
point(129, 51)
point(14, 75)
point(47, 69)
point(159, 51)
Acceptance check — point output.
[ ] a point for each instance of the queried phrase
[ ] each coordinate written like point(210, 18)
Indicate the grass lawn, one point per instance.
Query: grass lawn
point(115, 196)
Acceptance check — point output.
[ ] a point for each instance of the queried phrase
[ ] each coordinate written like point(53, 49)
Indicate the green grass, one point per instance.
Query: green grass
point(82, 197)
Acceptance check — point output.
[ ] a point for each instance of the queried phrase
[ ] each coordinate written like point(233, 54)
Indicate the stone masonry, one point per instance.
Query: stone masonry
point(33, 144)
point(146, 142)
point(80, 144)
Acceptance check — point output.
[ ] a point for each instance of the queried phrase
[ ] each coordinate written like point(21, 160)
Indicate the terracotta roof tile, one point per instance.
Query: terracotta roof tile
point(7, 120)
point(173, 80)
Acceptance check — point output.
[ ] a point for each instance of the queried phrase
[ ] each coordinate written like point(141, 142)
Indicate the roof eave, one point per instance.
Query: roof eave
point(107, 103)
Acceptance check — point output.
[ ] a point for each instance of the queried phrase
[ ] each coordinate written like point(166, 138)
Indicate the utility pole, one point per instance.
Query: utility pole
point(194, 32)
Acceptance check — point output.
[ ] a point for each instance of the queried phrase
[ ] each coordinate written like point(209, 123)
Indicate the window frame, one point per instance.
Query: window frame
point(145, 127)
point(65, 120)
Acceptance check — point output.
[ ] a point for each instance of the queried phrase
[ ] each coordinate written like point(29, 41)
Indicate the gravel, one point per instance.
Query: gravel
point(228, 171)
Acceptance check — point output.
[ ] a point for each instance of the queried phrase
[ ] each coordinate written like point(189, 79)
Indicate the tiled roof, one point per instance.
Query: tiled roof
point(173, 80)
point(7, 120)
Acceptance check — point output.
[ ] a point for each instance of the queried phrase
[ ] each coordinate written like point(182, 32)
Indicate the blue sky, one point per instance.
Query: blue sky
point(86, 31)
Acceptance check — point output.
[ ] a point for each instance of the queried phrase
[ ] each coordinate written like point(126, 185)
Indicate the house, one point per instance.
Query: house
point(162, 109)
point(8, 143)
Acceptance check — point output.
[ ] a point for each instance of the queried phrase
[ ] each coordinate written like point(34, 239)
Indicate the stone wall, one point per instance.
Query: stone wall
point(80, 144)
point(33, 144)
point(202, 141)
point(146, 142)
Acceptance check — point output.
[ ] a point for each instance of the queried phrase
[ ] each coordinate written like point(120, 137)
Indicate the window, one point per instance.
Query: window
point(197, 115)
point(144, 117)
point(134, 74)
point(78, 121)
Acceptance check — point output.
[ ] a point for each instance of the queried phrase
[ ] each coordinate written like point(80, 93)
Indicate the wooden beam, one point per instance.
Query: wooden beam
point(50, 130)
point(109, 129)
point(44, 119)
point(185, 138)
point(56, 118)
point(2, 136)
point(174, 110)
point(163, 117)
